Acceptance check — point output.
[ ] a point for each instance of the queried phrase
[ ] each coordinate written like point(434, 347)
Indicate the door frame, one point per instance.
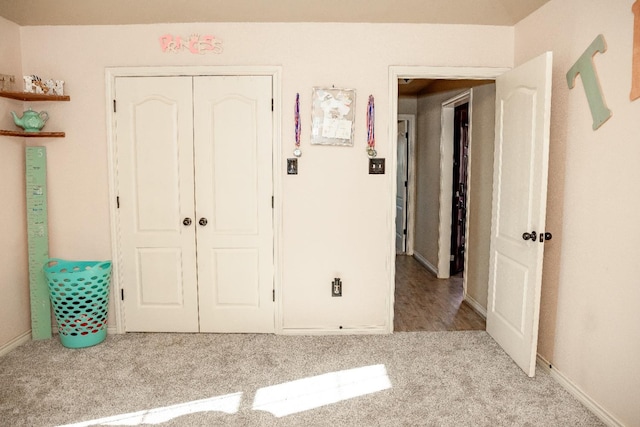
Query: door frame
point(446, 181)
point(411, 180)
point(415, 72)
point(111, 73)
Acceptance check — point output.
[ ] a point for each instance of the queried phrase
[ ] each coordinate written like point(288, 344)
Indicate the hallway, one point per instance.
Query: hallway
point(425, 303)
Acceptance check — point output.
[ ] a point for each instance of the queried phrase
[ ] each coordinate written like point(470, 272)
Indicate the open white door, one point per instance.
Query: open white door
point(402, 182)
point(523, 104)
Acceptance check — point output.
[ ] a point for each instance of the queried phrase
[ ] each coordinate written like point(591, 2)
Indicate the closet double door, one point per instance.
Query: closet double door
point(194, 188)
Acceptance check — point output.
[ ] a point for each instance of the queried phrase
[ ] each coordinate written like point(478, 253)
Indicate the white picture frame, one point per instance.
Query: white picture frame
point(332, 116)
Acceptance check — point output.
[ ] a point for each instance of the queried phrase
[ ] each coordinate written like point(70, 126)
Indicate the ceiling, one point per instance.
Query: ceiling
point(115, 12)
point(418, 87)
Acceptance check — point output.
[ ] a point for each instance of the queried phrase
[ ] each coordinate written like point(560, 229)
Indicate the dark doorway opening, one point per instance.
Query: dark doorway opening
point(459, 193)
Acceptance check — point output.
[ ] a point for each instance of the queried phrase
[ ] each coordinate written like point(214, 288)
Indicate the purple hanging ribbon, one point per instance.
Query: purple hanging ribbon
point(297, 120)
point(371, 139)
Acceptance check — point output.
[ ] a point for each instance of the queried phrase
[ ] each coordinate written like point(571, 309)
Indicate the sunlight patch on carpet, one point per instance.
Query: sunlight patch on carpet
point(313, 392)
point(229, 404)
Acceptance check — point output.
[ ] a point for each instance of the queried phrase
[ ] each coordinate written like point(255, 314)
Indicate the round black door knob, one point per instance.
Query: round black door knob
point(186, 221)
point(203, 221)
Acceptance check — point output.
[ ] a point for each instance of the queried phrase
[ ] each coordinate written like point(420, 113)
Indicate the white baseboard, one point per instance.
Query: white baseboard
point(422, 260)
point(373, 330)
point(16, 342)
point(477, 307)
point(574, 390)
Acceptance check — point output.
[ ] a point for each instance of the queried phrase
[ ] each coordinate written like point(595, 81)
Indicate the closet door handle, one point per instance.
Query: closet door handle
point(187, 221)
point(203, 221)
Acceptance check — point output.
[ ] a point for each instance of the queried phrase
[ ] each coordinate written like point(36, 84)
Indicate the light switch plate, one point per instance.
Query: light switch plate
point(376, 166)
point(292, 166)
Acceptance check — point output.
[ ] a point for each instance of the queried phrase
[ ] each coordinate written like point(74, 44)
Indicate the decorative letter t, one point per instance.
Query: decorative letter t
point(584, 66)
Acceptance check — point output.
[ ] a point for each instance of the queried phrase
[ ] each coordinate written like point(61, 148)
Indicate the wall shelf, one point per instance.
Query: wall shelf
point(26, 96)
point(32, 134)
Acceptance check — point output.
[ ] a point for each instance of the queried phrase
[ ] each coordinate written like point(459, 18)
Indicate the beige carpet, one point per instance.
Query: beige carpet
point(404, 379)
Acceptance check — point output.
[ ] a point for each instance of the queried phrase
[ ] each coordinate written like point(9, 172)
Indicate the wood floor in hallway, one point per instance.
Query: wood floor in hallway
point(426, 303)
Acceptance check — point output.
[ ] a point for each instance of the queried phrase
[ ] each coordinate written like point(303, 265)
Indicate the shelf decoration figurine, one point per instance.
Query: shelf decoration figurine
point(34, 84)
point(31, 121)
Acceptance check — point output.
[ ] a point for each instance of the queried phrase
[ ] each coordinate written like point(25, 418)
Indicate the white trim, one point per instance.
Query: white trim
point(444, 198)
point(593, 406)
point(475, 305)
point(415, 72)
point(446, 180)
point(111, 73)
point(468, 198)
point(23, 338)
point(422, 260)
point(360, 330)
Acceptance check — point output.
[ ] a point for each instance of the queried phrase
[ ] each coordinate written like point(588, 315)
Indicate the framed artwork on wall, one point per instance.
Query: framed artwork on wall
point(332, 116)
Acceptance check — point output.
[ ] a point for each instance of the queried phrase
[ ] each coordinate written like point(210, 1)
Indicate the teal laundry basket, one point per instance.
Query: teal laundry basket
point(79, 292)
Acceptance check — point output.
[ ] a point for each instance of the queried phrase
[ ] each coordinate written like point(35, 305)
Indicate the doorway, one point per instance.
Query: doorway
point(405, 183)
point(522, 110)
point(446, 202)
point(459, 190)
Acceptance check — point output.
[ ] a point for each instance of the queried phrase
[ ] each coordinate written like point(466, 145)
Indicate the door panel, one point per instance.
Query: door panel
point(234, 151)
point(523, 98)
point(154, 133)
point(233, 132)
point(235, 284)
point(157, 267)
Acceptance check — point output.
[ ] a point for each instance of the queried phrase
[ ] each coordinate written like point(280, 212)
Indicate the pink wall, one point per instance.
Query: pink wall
point(14, 287)
point(334, 215)
point(590, 317)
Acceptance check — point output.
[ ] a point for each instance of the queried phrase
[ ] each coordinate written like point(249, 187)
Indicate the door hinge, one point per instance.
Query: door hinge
point(117, 202)
point(274, 295)
point(272, 202)
point(114, 105)
point(406, 184)
point(407, 135)
point(271, 104)
point(404, 231)
point(122, 294)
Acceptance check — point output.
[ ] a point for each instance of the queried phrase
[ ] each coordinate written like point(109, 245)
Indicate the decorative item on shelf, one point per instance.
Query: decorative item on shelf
point(371, 139)
point(297, 151)
point(34, 84)
point(6, 82)
point(31, 121)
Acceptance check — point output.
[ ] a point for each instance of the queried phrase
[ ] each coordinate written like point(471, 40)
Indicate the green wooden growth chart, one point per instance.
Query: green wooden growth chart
point(38, 240)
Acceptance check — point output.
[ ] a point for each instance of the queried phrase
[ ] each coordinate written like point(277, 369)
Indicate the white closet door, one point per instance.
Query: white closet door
point(154, 134)
point(233, 163)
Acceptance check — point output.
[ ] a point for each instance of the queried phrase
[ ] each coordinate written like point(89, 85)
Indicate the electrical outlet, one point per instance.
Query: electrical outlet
point(336, 287)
